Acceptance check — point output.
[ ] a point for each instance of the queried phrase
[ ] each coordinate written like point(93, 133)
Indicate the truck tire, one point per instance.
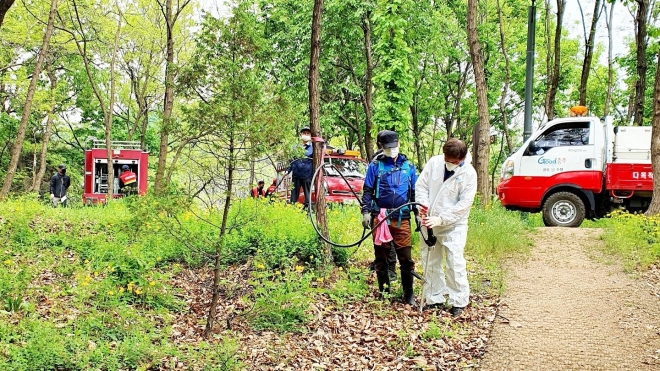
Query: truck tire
point(563, 209)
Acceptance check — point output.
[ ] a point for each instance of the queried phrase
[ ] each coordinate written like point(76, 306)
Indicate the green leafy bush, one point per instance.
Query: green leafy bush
point(633, 237)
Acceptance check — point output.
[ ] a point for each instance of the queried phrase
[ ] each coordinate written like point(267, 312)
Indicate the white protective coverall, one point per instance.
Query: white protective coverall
point(450, 200)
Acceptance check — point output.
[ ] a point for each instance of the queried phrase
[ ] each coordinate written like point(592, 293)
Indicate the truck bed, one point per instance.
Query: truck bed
point(629, 177)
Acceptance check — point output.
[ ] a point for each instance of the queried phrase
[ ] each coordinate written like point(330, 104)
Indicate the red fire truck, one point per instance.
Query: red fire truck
point(578, 167)
point(95, 186)
point(337, 190)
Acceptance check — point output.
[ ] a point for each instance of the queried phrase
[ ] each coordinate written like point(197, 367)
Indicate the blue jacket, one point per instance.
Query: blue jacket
point(303, 167)
point(394, 187)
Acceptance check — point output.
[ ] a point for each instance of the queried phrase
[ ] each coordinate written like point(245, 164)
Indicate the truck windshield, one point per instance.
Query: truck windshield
point(562, 135)
point(347, 166)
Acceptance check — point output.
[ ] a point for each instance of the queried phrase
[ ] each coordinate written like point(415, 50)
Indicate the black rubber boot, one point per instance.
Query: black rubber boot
point(383, 282)
point(407, 284)
point(391, 263)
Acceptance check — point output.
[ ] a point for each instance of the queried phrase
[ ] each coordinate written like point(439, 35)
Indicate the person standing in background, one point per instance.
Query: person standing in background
point(59, 184)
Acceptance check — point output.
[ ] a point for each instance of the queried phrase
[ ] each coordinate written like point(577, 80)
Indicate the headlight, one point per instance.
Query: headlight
point(507, 170)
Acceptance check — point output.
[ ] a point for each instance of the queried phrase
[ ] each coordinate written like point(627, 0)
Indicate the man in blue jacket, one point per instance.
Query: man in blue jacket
point(389, 184)
point(302, 169)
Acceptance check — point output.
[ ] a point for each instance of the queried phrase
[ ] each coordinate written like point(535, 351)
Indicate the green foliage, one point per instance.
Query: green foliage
point(436, 330)
point(393, 80)
point(282, 304)
point(635, 238)
point(490, 242)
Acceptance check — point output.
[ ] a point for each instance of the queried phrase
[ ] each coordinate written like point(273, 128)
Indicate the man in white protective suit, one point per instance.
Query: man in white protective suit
point(446, 189)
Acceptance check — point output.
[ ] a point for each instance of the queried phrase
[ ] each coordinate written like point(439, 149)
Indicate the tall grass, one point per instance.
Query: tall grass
point(494, 236)
point(633, 238)
point(104, 275)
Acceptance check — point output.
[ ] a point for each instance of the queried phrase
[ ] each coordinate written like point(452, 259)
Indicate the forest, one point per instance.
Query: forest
point(186, 82)
point(196, 275)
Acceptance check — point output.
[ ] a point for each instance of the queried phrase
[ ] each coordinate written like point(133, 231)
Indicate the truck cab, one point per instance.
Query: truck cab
point(95, 185)
point(343, 172)
point(576, 167)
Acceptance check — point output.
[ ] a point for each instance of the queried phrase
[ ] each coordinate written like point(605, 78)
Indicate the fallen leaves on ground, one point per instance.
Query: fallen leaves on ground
point(365, 335)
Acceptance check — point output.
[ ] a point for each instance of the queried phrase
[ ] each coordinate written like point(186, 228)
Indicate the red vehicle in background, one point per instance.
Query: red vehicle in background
point(95, 186)
point(338, 189)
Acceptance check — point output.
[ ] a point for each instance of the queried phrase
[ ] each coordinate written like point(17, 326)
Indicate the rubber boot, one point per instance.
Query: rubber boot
point(407, 285)
point(391, 263)
point(383, 282)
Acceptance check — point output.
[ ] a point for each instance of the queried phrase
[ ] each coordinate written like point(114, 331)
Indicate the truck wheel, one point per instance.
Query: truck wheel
point(563, 209)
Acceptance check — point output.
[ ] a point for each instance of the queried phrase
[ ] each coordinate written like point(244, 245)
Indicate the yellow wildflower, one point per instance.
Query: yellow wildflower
point(96, 274)
point(299, 268)
point(341, 269)
point(121, 289)
point(110, 293)
point(320, 279)
point(277, 272)
point(7, 262)
point(152, 283)
point(260, 266)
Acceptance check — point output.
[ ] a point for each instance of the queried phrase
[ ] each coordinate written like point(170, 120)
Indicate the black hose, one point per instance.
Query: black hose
point(364, 236)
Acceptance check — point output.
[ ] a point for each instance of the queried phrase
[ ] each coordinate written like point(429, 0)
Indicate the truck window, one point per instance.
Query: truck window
point(348, 167)
point(561, 135)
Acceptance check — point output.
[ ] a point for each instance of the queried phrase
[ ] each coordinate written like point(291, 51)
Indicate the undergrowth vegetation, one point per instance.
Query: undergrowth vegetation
point(633, 238)
point(94, 287)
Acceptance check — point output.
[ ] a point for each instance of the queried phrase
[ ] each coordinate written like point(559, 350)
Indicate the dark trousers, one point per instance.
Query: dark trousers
point(402, 247)
point(404, 254)
point(306, 184)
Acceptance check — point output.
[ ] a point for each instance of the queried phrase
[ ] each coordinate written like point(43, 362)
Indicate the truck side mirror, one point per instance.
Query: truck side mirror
point(532, 148)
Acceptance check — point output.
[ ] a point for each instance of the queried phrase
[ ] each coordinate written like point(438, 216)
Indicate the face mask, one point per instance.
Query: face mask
point(451, 167)
point(391, 152)
point(306, 138)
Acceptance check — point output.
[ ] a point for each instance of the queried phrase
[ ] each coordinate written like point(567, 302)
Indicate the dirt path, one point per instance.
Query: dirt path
point(563, 310)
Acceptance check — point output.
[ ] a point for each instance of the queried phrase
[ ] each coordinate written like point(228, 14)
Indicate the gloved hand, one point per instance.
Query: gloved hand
point(432, 221)
point(418, 223)
point(52, 196)
point(366, 221)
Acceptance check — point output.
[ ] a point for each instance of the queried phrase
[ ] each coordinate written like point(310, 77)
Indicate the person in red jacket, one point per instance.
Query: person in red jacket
point(258, 191)
point(127, 181)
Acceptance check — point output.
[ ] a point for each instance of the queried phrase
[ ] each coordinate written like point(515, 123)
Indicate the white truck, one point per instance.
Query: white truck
point(579, 167)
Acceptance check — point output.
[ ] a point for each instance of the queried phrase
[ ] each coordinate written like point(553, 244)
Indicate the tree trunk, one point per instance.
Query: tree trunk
point(641, 19)
point(588, 54)
point(36, 182)
point(315, 123)
point(654, 208)
point(109, 112)
point(368, 100)
point(483, 135)
point(20, 136)
point(4, 8)
point(414, 113)
point(168, 102)
point(610, 59)
point(553, 73)
point(217, 266)
point(507, 79)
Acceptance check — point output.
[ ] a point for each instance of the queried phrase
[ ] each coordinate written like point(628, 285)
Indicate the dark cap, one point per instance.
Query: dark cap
point(125, 167)
point(305, 128)
point(61, 166)
point(380, 133)
point(261, 182)
point(388, 139)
